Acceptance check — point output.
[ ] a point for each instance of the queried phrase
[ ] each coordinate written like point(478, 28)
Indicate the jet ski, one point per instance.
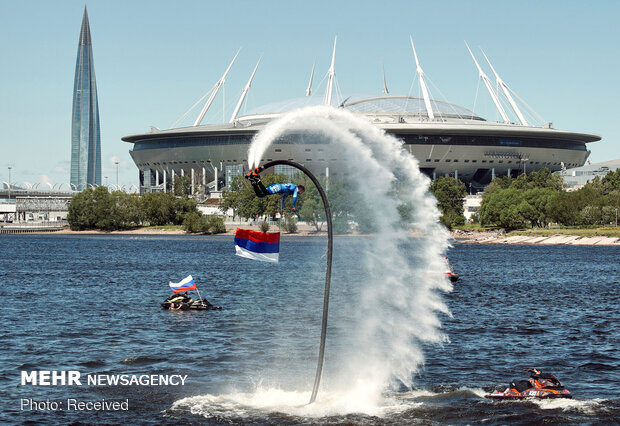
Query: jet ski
point(452, 276)
point(539, 385)
point(182, 302)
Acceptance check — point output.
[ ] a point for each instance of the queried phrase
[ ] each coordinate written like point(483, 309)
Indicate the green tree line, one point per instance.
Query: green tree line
point(349, 211)
point(538, 199)
point(110, 211)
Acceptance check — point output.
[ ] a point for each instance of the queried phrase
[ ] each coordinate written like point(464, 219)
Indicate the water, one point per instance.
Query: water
point(399, 300)
point(91, 303)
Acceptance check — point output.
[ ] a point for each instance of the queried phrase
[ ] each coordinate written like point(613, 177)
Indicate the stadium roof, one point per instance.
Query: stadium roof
point(371, 105)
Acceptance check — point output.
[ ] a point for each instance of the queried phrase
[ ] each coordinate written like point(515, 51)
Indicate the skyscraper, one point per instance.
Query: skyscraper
point(85, 133)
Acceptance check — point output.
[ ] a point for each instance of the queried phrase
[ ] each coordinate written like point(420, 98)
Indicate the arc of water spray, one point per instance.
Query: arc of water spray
point(328, 271)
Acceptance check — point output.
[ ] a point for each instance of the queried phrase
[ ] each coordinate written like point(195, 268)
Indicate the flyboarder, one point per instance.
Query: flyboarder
point(284, 189)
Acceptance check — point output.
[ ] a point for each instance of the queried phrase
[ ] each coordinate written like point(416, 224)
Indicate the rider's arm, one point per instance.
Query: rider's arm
point(295, 196)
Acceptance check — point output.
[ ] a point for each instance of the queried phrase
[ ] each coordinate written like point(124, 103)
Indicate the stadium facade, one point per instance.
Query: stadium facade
point(85, 132)
point(446, 139)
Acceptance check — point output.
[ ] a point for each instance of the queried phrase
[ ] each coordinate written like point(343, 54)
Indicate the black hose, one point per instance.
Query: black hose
point(328, 271)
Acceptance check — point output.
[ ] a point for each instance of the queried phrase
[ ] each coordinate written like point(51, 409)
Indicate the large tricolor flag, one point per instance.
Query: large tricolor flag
point(186, 284)
point(264, 246)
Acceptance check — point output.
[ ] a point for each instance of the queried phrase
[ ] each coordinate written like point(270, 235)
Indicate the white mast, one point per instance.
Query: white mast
point(233, 117)
point(427, 100)
point(332, 74)
point(487, 83)
point(385, 89)
point(309, 89)
point(506, 90)
point(219, 83)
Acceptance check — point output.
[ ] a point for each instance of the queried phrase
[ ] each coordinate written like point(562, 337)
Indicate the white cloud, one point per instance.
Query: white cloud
point(45, 179)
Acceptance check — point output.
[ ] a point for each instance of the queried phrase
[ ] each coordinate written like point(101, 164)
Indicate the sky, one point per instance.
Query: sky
point(154, 59)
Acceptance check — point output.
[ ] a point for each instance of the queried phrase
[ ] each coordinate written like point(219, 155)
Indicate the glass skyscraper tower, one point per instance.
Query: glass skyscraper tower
point(85, 133)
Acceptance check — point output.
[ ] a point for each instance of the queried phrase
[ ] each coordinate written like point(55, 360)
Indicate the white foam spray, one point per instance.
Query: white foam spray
point(400, 303)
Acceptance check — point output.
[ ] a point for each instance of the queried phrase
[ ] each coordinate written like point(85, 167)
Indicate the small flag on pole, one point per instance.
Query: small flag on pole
point(185, 285)
point(263, 246)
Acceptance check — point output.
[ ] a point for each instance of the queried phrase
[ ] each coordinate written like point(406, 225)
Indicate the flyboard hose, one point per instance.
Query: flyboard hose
point(328, 271)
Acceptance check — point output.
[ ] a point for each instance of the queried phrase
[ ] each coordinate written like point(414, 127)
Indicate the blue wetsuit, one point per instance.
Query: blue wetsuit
point(284, 189)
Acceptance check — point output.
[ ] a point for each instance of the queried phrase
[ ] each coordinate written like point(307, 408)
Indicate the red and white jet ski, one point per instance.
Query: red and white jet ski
point(539, 385)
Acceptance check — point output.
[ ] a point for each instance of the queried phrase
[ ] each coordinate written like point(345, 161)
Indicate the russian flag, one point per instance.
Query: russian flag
point(186, 284)
point(264, 246)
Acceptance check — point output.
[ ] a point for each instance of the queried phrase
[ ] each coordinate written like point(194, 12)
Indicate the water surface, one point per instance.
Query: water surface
point(91, 303)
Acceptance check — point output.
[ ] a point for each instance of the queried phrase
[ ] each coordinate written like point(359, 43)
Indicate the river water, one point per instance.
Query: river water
point(91, 304)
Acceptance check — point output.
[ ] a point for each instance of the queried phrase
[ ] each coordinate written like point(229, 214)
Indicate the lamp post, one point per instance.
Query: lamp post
point(106, 181)
point(524, 160)
point(116, 162)
point(10, 182)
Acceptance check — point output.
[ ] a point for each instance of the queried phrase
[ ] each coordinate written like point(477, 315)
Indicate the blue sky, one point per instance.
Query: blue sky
point(154, 59)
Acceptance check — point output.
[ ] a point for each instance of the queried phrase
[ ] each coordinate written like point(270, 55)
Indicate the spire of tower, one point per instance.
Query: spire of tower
point(85, 126)
point(85, 31)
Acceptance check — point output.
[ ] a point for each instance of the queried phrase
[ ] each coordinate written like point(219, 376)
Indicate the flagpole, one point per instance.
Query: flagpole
point(198, 291)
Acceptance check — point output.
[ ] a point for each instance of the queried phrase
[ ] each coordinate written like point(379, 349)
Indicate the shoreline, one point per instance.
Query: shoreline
point(499, 237)
point(457, 236)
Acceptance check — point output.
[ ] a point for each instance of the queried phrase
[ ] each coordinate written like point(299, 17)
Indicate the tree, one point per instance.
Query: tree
point(501, 208)
point(195, 222)
point(542, 178)
point(611, 181)
point(311, 210)
point(182, 186)
point(535, 208)
point(82, 213)
point(127, 209)
point(182, 207)
point(535, 199)
point(158, 208)
point(244, 202)
point(290, 224)
point(450, 194)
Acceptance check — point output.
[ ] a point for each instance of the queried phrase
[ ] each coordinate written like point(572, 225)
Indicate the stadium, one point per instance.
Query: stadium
point(446, 139)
